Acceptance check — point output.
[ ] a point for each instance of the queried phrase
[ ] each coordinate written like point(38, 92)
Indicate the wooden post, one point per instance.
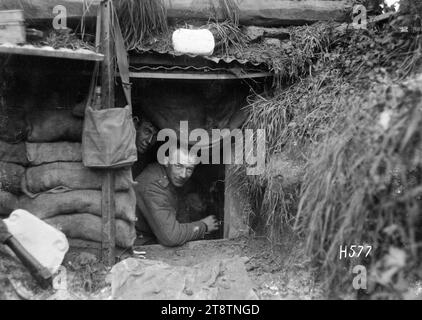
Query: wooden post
point(107, 88)
point(235, 206)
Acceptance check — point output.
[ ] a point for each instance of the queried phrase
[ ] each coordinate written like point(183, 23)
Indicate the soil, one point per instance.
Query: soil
point(277, 271)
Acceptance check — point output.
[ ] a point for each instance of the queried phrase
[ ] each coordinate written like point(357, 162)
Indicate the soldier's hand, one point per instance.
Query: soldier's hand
point(211, 223)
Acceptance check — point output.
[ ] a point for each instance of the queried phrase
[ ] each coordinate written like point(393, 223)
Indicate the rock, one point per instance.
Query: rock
point(256, 33)
point(273, 42)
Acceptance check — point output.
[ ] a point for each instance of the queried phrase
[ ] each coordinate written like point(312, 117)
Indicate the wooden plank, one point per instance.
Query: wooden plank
point(251, 12)
point(43, 9)
point(256, 33)
point(372, 20)
point(49, 52)
point(235, 206)
point(382, 17)
point(197, 76)
point(108, 204)
point(235, 224)
point(265, 12)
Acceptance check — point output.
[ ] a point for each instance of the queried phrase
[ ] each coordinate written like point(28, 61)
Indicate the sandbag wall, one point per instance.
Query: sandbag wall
point(56, 187)
point(13, 159)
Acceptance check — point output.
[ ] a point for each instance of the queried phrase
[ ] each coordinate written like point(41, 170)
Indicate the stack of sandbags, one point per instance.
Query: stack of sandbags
point(12, 162)
point(51, 125)
point(10, 178)
point(13, 127)
point(59, 189)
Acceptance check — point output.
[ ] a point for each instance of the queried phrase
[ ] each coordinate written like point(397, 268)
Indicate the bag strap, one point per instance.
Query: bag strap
point(122, 61)
point(96, 70)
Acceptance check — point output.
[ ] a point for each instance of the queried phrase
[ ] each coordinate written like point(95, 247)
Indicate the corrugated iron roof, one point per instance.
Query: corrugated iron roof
point(215, 59)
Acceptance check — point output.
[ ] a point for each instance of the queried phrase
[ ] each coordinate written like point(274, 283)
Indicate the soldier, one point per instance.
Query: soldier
point(157, 203)
point(146, 137)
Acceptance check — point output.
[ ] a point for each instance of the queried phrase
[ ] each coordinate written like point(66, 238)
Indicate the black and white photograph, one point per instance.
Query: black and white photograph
point(210, 156)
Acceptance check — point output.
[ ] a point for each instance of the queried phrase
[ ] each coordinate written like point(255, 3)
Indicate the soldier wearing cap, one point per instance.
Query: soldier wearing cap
point(157, 203)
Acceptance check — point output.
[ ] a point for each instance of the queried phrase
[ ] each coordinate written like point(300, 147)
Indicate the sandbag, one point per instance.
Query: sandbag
point(50, 125)
point(88, 227)
point(13, 128)
point(15, 153)
point(10, 177)
point(42, 153)
point(66, 176)
point(81, 201)
point(8, 203)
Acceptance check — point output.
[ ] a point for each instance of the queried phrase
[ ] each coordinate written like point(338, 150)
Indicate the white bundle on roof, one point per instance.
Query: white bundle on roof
point(197, 42)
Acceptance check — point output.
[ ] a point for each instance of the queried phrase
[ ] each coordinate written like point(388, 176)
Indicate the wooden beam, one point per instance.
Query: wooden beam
point(257, 33)
point(265, 12)
point(44, 9)
point(49, 52)
point(108, 204)
point(196, 76)
point(251, 12)
point(372, 20)
point(236, 207)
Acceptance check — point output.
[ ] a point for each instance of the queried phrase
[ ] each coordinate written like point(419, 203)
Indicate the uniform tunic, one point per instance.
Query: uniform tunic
point(157, 206)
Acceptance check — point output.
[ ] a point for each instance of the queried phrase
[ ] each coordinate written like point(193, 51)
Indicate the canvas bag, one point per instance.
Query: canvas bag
point(109, 135)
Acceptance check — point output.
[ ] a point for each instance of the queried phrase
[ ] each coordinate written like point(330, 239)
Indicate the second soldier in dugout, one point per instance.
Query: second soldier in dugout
point(159, 195)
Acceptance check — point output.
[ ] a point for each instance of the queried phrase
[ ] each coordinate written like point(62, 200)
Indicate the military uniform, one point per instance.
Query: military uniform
point(144, 159)
point(157, 206)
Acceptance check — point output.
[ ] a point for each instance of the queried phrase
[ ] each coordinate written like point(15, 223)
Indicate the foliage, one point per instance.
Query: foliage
point(140, 20)
point(355, 123)
point(366, 177)
point(64, 39)
point(227, 36)
point(291, 60)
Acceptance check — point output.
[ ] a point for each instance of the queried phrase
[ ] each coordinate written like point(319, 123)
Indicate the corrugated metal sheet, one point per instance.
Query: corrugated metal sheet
point(191, 72)
point(215, 59)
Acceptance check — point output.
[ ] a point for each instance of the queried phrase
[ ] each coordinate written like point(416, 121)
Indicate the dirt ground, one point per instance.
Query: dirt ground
point(278, 272)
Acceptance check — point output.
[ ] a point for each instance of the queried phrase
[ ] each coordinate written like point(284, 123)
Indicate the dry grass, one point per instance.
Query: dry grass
point(360, 180)
point(64, 39)
point(228, 36)
point(140, 20)
point(365, 179)
point(293, 60)
point(230, 11)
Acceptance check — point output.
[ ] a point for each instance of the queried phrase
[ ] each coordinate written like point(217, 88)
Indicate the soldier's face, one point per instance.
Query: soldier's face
point(180, 174)
point(146, 136)
point(180, 169)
